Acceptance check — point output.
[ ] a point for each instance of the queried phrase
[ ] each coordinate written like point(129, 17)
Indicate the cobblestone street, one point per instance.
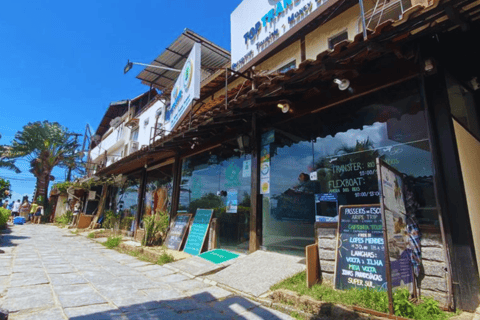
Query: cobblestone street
point(49, 273)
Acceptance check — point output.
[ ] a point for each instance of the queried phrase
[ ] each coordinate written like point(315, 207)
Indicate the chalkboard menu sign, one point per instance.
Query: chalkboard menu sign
point(198, 231)
point(360, 260)
point(177, 231)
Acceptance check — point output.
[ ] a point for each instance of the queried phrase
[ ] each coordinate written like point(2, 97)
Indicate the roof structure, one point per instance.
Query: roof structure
point(213, 57)
point(351, 59)
point(119, 108)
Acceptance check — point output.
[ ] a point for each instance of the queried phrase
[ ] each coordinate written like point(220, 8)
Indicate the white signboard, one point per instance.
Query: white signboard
point(256, 24)
point(185, 90)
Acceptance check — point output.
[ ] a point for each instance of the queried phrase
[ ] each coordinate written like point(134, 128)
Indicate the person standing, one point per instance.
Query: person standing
point(25, 209)
point(38, 214)
point(16, 208)
point(33, 210)
point(5, 204)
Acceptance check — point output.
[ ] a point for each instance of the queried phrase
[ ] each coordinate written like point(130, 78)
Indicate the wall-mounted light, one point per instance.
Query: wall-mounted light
point(285, 105)
point(343, 84)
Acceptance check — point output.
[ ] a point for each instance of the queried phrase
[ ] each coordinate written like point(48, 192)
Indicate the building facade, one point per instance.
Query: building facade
point(290, 130)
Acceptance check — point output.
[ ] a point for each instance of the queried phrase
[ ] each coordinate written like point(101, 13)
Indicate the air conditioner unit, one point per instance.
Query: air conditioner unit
point(134, 146)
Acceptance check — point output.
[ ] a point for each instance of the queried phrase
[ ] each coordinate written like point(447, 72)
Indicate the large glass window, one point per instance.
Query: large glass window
point(321, 162)
point(220, 180)
point(158, 191)
point(126, 206)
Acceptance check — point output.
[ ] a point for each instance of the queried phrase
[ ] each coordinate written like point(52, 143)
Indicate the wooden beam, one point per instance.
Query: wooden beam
point(255, 197)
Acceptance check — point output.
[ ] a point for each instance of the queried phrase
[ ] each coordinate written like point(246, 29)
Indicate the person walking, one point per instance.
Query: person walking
point(16, 208)
point(33, 210)
point(25, 209)
point(38, 214)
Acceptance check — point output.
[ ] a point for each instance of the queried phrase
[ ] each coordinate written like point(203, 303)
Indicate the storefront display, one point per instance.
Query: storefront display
point(342, 152)
point(217, 180)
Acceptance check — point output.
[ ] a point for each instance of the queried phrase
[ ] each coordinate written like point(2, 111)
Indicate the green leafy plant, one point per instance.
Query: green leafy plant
point(112, 242)
point(65, 219)
point(91, 235)
point(165, 258)
point(402, 306)
point(110, 219)
point(377, 300)
point(155, 228)
point(4, 216)
point(126, 223)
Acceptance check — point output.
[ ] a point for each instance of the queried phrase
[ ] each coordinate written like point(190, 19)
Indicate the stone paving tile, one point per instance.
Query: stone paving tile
point(204, 314)
point(234, 306)
point(152, 267)
point(189, 285)
point(156, 314)
point(27, 279)
point(5, 271)
point(67, 279)
point(158, 273)
point(210, 294)
point(136, 303)
point(95, 312)
point(27, 269)
point(50, 314)
point(78, 296)
point(61, 269)
point(183, 305)
point(164, 294)
point(136, 264)
point(173, 278)
point(30, 297)
point(264, 314)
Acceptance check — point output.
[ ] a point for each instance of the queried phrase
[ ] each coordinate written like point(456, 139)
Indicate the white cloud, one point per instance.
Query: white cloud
point(18, 196)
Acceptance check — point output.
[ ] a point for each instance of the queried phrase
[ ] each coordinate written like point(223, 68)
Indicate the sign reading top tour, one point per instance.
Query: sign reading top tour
point(256, 24)
point(185, 90)
point(360, 261)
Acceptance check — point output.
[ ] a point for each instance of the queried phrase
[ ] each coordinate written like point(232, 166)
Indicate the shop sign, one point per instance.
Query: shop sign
point(177, 231)
point(198, 231)
point(247, 169)
point(360, 261)
point(393, 206)
point(185, 90)
point(326, 207)
point(218, 256)
point(256, 24)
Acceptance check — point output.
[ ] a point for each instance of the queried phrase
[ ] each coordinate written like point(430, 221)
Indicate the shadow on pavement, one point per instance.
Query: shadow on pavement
point(6, 238)
point(200, 306)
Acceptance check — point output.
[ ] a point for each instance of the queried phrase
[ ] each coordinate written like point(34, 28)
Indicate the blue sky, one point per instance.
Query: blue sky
point(63, 60)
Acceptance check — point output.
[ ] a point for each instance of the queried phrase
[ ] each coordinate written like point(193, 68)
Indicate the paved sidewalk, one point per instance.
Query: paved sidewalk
point(48, 273)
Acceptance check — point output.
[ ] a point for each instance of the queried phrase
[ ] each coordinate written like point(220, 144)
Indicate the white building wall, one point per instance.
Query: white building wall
point(147, 121)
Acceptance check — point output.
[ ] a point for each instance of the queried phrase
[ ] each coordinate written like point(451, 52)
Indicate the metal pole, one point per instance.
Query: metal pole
point(226, 88)
point(158, 67)
point(362, 11)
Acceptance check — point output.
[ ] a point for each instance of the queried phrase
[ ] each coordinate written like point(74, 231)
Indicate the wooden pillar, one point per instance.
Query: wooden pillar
point(451, 195)
point(141, 197)
point(256, 197)
point(177, 179)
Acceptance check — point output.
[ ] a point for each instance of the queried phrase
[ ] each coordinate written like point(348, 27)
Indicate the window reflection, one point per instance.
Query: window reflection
point(220, 180)
point(340, 148)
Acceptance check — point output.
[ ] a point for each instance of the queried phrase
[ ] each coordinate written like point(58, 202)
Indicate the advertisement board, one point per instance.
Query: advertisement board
point(257, 24)
point(185, 90)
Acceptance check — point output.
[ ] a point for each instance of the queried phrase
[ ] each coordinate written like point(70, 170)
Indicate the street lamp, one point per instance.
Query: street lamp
point(130, 65)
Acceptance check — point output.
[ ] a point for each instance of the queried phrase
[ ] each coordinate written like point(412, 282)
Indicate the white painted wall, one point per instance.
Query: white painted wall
point(149, 116)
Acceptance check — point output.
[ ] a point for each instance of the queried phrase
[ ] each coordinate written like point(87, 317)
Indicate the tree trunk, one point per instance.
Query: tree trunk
point(45, 194)
point(101, 206)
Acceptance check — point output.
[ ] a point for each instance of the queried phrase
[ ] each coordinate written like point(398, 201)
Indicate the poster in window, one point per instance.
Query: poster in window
point(232, 201)
point(247, 169)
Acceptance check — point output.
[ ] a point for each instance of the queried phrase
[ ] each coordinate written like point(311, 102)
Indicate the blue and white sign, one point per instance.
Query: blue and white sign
point(256, 24)
point(185, 90)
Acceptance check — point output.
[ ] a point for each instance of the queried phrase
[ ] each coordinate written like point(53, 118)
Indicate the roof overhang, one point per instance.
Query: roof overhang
point(213, 58)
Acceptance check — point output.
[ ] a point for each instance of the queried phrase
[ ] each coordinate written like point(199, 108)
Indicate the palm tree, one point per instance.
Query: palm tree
point(7, 164)
point(45, 145)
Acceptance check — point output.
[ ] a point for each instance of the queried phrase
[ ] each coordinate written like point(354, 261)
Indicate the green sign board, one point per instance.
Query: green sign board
point(198, 231)
point(218, 256)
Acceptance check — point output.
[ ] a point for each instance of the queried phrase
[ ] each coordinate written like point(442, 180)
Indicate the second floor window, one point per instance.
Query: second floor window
point(134, 135)
point(337, 39)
